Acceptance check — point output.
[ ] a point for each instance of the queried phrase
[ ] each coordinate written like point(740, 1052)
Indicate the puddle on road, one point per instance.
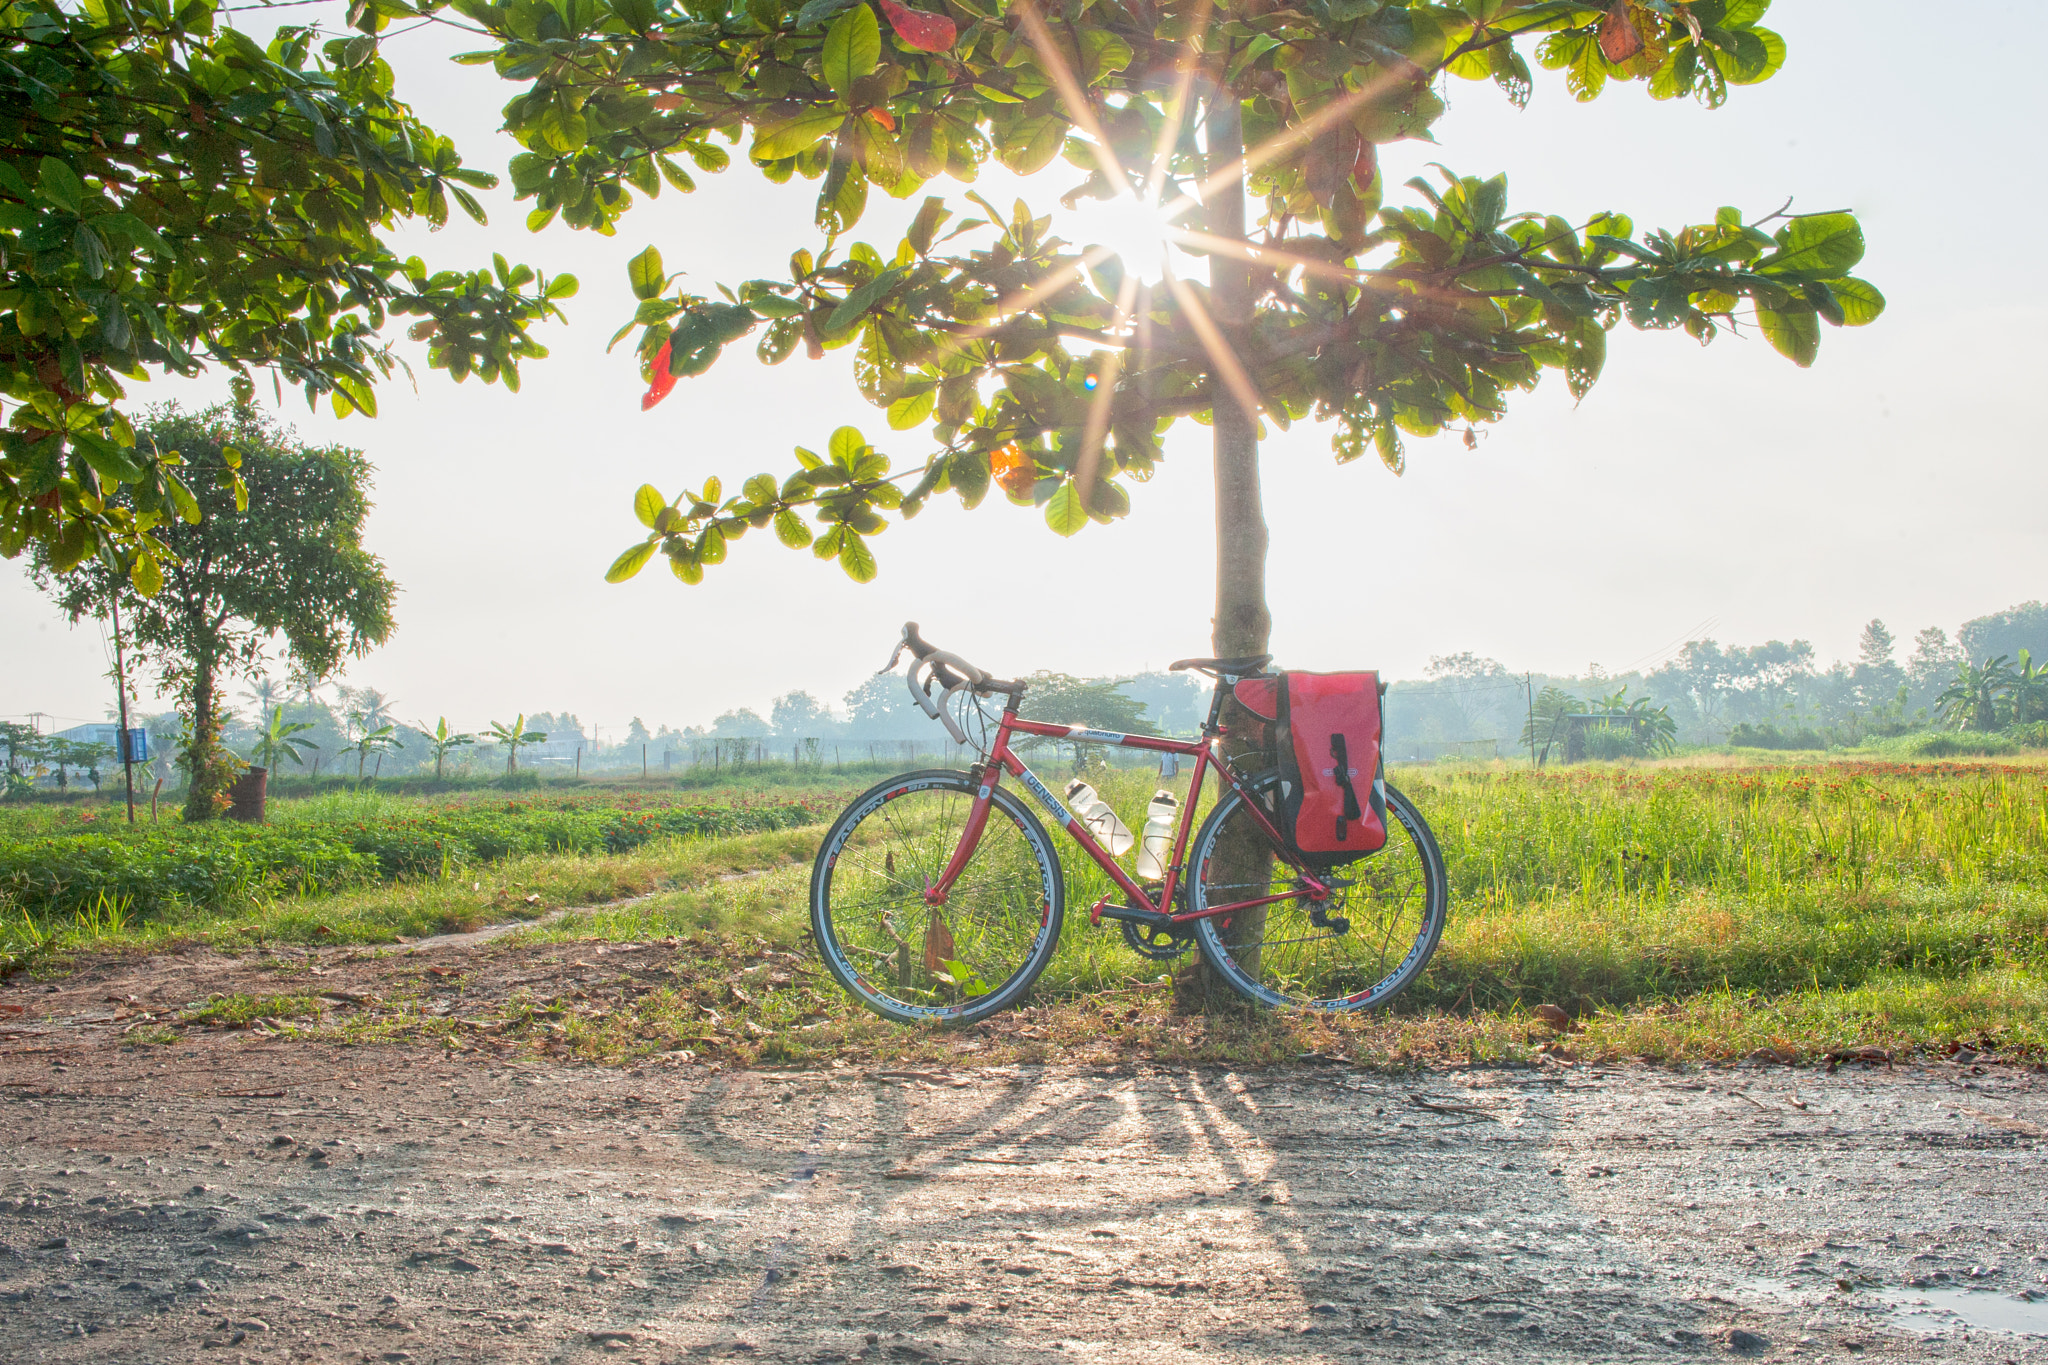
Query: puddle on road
point(1943, 1310)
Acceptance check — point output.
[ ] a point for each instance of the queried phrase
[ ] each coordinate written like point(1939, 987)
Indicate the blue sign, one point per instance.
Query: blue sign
point(133, 745)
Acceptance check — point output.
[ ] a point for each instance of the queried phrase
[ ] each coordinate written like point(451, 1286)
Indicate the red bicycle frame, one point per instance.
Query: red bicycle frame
point(1001, 758)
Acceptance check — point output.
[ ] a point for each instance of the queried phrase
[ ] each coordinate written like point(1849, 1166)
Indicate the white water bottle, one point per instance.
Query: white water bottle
point(1155, 845)
point(1100, 820)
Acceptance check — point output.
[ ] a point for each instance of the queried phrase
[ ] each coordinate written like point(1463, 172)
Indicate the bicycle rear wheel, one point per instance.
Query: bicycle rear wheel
point(906, 959)
point(1358, 948)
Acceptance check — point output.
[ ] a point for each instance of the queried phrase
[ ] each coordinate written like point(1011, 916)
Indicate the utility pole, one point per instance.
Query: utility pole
point(123, 747)
point(1529, 688)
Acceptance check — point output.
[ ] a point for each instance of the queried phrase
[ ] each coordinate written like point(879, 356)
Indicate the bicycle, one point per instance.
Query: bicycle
point(965, 856)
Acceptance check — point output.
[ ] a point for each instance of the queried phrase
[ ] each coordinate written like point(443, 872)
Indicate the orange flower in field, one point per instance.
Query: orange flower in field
point(1012, 468)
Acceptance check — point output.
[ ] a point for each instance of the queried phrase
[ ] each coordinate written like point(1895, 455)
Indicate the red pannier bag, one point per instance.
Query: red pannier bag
point(1333, 803)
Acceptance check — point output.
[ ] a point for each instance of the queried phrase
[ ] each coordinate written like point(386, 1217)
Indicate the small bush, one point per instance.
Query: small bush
point(1747, 736)
point(1965, 746)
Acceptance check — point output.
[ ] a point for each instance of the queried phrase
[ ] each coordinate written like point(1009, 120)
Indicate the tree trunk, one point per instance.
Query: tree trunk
point(202, 755)
point(1242, 623)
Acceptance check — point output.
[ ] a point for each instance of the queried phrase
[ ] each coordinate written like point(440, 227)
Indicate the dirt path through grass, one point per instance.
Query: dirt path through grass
point(238, 1198)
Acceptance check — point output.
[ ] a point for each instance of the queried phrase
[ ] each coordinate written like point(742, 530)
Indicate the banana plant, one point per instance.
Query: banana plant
point(280, 739)
point(441, 739)
point(515, 737)
point(371, 740)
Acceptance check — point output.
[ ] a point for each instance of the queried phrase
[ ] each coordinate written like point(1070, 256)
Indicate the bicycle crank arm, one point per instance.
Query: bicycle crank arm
point(1108, 909)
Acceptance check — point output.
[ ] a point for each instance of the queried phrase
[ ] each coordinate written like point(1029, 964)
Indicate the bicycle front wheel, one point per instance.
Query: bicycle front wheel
point(1358, 948)
point(907, 959)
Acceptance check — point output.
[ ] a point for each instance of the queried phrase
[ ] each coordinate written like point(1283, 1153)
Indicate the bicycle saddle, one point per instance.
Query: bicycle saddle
point(1239, 667)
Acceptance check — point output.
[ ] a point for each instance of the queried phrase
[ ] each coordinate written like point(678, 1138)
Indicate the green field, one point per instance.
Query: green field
point(1675, 911)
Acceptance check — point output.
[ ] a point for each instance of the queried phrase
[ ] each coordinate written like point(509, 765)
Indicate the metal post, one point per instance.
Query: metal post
point(126, 750)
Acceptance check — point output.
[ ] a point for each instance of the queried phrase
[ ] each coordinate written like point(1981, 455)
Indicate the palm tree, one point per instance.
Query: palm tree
point(441, 739)
point(266, 695)
point(515, 737)
point(1972, 700)
point(376, 706)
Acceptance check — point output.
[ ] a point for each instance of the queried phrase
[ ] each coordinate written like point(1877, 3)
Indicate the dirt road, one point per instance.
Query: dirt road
point(237, 1197)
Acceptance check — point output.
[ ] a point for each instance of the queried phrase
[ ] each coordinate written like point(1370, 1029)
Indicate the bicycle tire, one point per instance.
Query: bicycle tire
point(1007, 906)
point(1337, 979)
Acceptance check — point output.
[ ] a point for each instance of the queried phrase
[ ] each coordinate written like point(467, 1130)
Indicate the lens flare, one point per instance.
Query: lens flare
point(1135, 229)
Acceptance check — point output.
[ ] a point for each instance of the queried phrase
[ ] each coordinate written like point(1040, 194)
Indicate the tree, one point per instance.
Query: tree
point(2024, 627)
point(369, 738)
point(799, 715)
point(441, 739)
point(744, 723)
point(1933, 660)
point(1546, 712)
point(20, 740)
point(1097, 703)
point(1053, 372)
point(290, 562)
point(175, 194)
point(515, 737)
point(1975, 699)
point(1874, 646)
point(280, 739)
point(636, 733)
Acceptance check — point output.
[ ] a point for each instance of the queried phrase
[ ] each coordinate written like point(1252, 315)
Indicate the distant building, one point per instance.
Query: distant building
point(103, 732)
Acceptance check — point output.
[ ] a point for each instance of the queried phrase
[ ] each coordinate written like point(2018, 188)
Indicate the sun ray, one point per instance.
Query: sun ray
point(1025, 299)
point(1080, 110)
point(1177, 113)
point(1228, 367)
point(1093, 435)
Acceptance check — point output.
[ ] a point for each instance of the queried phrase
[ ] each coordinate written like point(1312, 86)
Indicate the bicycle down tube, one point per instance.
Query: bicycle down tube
point(1001, 757)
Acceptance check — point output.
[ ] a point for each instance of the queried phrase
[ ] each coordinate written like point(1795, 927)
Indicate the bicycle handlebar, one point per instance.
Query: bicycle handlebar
point(949, 670)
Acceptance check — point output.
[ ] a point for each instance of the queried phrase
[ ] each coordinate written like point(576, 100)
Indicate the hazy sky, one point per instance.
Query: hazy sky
point(1719, 492)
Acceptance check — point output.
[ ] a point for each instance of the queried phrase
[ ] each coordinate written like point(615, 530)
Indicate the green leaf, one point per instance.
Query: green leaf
point(108, 460)
point(1859, 300)
point(799, 134)
point(911, 411)
point(648, 504)
point(790, 529)
point(853, 47)
point(61, 185)
point(646, 275)
point(147, 575)
point(630, 563)
point(1796, 336)
point(1064, 511)
point(856, 558)
point(818, 11)
point(1820, 247)
point(845, 446)
point(856, 304)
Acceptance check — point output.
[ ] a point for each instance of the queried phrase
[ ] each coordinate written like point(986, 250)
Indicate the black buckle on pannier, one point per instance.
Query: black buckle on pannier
point(1352, 810)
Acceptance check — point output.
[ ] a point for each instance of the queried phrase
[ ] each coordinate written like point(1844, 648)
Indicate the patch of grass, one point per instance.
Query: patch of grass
point(240, 1011)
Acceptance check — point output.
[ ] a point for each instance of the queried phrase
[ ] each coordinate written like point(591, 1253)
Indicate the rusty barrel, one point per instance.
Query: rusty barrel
point(247, 796)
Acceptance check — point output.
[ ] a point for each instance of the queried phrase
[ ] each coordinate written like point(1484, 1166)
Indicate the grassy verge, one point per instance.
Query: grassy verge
point(1677, 913)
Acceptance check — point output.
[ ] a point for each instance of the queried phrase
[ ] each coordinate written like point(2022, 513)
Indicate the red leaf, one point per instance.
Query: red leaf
point(1366, 168)
point(925, 32)
point(1619, 40)
point(884, 118)
point(659, 380)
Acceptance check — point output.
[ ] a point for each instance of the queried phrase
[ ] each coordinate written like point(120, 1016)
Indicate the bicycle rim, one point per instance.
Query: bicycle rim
point(1393, 904)
point(906, 959)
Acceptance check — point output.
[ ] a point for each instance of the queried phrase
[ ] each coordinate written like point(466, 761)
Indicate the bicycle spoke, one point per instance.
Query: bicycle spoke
point(907, 954)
